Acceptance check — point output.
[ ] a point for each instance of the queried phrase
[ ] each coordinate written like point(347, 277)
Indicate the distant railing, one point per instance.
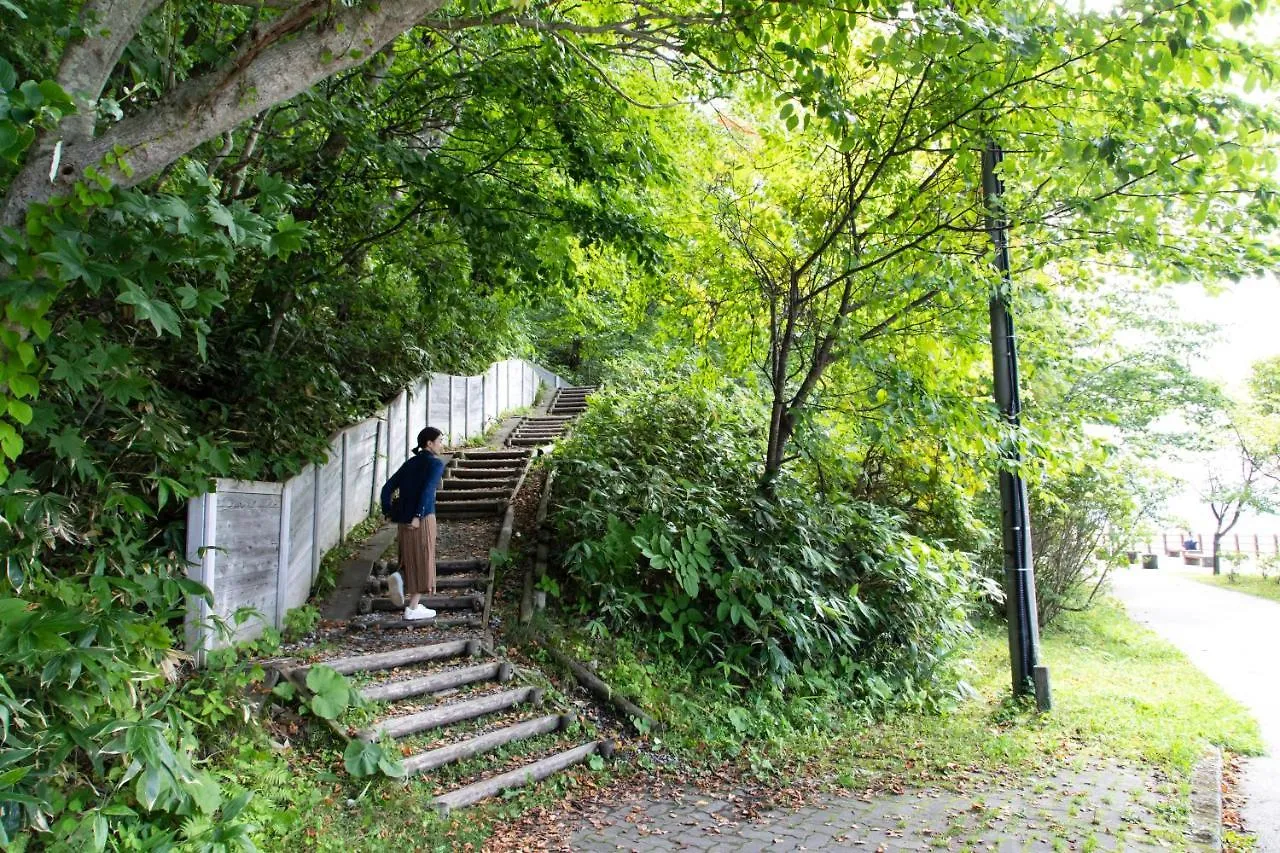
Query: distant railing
point(259, 544)
point(1256, 544)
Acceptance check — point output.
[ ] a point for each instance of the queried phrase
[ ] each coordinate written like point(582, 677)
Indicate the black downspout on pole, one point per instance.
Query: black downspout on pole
point(1020, 584)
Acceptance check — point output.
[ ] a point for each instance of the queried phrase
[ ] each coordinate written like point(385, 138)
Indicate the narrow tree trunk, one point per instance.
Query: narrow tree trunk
point(781, 425)
point(1217, 553)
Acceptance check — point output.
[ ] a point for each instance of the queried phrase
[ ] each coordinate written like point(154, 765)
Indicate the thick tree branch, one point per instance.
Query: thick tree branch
point(286, 57)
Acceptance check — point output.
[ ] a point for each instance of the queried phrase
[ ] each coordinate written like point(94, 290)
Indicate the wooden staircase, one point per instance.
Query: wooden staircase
point(442, 708)
point(450, 707)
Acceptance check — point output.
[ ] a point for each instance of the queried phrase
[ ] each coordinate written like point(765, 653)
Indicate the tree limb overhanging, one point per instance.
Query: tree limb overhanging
point(280, 59)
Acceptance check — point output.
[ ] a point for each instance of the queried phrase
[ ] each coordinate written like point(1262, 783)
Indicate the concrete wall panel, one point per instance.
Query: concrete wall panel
point(417, 413)
point(362, 442)
point(438, 402)
point(396, 430)
point(329, 494)
point(249, 517)
point(300, 491)
point(475, 407)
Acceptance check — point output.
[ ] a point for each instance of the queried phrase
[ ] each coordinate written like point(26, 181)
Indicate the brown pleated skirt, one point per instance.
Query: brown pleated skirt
point(418, 556)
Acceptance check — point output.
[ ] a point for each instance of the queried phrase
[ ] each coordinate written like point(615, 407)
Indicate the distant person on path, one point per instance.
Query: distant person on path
point(409, 499)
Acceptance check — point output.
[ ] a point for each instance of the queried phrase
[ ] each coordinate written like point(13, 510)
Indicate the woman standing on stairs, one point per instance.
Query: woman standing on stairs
point(409, 499)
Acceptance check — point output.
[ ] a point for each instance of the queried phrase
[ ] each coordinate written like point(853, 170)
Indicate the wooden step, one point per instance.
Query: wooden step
point(453, 712)
point(507, 455)
point(485, 473)
point(462, 582)
point(436, 602)
point(529, 442)
point(469, 621)
point(425, 761)
point(489, 464)
point(453, 497)
point(534, 772)
point(477, 483)
point(390, 691)
point(457, 494)
point(448, 567)
point(401, 657)
point(470, 515)
point(458, 502)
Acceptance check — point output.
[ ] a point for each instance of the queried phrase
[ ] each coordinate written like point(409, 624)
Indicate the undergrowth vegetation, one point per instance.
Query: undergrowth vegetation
point(668, 529)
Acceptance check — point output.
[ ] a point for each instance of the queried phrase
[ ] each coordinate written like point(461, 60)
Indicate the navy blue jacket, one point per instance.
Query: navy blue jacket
point(411, 491)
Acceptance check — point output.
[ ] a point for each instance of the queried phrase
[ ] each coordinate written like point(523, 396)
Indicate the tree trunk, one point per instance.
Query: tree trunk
point(1217, 552)
point(781, 425)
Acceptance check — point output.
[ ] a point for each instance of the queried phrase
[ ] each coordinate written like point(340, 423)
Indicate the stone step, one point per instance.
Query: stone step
point(461, 494)
point(498, 456)
point(391, 691)
point(528, 442)
point(425, 761)
point(538, 430)
point(533, 772)
point(436, 602)
point(569, 408)
point(454, 712)
point(402, 657)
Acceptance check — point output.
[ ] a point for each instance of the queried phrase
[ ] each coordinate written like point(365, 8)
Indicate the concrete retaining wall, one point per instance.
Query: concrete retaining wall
point(258, 545)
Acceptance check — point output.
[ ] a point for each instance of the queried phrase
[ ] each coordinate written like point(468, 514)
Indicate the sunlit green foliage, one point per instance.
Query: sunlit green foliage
point(807, 588)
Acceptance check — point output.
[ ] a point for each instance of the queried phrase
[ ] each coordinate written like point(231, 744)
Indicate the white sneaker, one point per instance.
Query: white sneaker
point(415, 614)
point(395, 588)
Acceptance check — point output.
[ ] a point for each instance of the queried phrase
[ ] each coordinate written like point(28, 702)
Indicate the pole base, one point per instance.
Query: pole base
point(1044, 698)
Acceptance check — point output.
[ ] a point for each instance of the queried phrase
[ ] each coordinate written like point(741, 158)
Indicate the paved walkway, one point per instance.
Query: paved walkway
point(1105, 806)
point(1102, 807)
point(1234, 639)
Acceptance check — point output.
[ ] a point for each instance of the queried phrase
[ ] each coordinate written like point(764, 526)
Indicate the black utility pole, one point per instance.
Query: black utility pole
point(1019, 579)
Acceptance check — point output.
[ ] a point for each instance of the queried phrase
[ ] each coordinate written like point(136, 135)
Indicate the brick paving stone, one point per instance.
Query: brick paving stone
point(1102, 806)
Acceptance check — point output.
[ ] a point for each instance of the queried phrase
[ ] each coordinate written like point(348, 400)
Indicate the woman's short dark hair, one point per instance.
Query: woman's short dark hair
point(428, 435)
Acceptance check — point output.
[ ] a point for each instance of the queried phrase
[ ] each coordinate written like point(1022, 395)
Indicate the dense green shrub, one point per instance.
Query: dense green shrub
point(667, 528)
